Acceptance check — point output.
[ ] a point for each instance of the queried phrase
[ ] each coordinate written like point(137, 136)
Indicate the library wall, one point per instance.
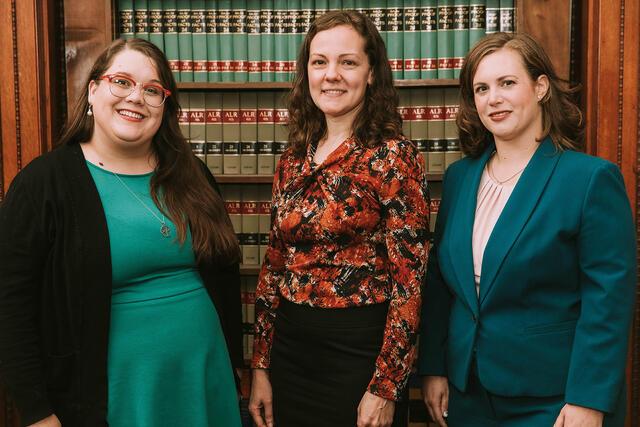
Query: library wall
point(593, 42)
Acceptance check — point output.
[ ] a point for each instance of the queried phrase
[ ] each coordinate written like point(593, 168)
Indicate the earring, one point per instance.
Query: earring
point(90, 110)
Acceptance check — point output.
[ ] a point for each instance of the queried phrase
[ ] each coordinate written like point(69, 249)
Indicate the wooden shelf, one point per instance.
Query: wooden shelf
point(268, 179)
point(248, 270)
point(287, 85)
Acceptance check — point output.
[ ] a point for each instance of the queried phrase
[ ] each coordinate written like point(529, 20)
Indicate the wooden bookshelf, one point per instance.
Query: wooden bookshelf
point(206, 86)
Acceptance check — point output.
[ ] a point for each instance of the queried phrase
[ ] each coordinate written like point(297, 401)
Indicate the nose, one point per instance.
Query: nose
point(136, 94)
point(332, 73)
point(494, 96)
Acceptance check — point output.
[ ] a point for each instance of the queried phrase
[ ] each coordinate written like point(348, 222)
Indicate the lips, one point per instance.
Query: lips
point(130, 115)
point(333, 92)
point(499, 115)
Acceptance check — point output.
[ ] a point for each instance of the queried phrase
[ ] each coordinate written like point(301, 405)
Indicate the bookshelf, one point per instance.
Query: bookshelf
point(577, 36)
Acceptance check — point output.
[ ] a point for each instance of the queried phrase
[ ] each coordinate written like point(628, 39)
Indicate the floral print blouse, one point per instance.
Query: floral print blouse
point(352, 231)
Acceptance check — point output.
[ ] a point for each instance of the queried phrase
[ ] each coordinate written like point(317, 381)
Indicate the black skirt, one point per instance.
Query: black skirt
point(322, 361)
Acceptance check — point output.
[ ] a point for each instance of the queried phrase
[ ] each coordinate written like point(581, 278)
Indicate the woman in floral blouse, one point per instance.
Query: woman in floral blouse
point(338, 296)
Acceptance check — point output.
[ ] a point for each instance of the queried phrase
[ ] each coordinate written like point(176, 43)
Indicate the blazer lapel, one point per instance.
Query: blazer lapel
point(516, 213)
point(461, 229)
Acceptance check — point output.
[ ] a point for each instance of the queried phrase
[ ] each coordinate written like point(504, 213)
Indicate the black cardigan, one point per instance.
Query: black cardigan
point(55, 292)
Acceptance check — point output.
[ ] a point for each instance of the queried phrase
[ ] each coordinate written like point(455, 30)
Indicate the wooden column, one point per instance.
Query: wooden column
point(610, 69)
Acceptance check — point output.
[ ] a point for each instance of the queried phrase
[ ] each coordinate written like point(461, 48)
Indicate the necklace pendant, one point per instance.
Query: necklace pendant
point(164, 230)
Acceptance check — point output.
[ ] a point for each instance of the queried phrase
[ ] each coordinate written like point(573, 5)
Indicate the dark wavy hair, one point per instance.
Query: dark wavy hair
point(561, 118)
point(179, 186)
point(377, 121)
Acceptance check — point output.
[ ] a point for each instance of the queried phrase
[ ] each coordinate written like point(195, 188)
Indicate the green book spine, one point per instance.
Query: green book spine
point(199, 38)
point(348, 4)
point(419, 124)
point(281, 41)
point(141, 19)
point(335, 4)
point(321, 7)
point(171, 50)
point(362, 6)
point(492, 16)
point(239, 36)
point(197, 124)
point(253, 41)
point(460, 34)
point(231, 132)
point(225, 38)
point(429, 39)
point(435, 135)
point(477, 21)
point(445, 39)
point(185, 40)
point(213, 131)
point(248, 133)
point(156, 27)
point(412, 39)
point(183, 117)
point(267, 52)
point(213, 45)
point(377, 12)
point(394, 37)
point(507, 16)
point(293, 25)
point(265, 133)
point(404, 107)
point(125, 18)
point(307, 14)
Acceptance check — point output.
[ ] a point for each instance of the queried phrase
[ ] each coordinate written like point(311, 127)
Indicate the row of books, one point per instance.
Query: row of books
point(258, 40)
point(244, 133)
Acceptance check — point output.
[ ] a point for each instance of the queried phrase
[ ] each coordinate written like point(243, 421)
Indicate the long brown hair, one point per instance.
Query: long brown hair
point(561, 118)
point(179, 187)
point(378, 119)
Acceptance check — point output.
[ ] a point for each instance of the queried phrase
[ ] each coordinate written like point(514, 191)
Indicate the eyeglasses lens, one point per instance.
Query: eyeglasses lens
point(122, 87)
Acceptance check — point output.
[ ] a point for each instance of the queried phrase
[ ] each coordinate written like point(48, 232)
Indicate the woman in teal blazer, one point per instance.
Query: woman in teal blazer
point(530, 284)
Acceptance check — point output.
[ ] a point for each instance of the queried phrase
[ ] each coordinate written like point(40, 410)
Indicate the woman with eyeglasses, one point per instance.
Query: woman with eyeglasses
point(119, 281)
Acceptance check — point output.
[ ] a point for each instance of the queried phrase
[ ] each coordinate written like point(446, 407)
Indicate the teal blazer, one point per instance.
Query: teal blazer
point(557, 286)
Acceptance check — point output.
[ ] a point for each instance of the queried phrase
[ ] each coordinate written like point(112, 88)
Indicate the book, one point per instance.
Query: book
point(250, 225)
point(171, 49)
point(377, 12)
point(435, 129)
point(264, 219)
point(335, 4)
point(404, 106)
point(306, 18)
point(445, 39)
point(266, 133)
point(141, 19)
point(452, 143)
point(185, 40)
point(232, 195)
point(395, 37)
point(321, 7)
point(280, 133)
point(267, 49)
point(419, 124)
point(253, 41)
point(428, 39)
point(225, 40)
point(248, 133)
point(294, 20)
point(125, 19)
point(412, 38)
point(183, 116)
point(199, 40)
point(477, 21)
point(492, 16)
point(251, 283)
point(240, 40)
point(197, 128)
point(213, 41)
point(231, 133)
point(507, 16)
point(156, 25)
point(460, 34)
point(213, 131)
point(281, 41)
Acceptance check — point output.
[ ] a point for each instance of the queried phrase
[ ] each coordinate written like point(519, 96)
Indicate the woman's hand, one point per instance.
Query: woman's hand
point(260, 401)
point(578, 416)
point(375, 411)
point(435, 393)
point(50, 421)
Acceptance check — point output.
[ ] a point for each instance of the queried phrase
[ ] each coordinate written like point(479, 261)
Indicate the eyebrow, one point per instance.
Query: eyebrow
point(501, 78)
point(339, 56)
point(124, 73)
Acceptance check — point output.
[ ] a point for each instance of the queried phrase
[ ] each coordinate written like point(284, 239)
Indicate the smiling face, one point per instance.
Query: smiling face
point(338, 72)
point(507, 99)
point(127, 123)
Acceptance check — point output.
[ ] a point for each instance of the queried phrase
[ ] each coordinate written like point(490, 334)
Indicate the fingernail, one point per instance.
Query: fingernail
point(445, 414)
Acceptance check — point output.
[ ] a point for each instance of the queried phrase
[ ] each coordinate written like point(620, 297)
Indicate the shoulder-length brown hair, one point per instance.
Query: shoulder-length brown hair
point(561, 117)
point(179, 186)
point(378, 119)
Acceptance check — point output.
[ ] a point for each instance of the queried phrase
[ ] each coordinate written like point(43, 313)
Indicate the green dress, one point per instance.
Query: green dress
point(168, 362)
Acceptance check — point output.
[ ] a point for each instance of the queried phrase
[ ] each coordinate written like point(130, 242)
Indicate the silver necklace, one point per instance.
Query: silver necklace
point(164, 228)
